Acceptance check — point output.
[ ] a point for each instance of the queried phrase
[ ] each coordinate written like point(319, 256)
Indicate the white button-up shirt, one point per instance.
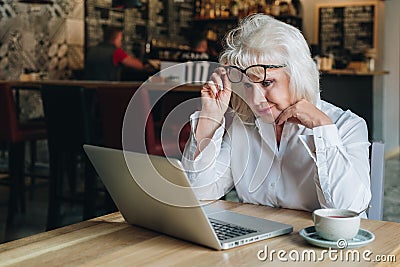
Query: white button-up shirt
point(327, 166)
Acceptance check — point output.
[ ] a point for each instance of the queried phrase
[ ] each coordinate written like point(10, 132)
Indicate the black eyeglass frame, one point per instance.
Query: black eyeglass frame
point(257, 65)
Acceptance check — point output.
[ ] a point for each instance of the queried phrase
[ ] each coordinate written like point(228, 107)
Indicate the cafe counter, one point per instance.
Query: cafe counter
point(347, 89)
point(36, 85)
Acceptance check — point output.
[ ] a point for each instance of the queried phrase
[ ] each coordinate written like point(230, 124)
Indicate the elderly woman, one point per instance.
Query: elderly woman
point(285, 146)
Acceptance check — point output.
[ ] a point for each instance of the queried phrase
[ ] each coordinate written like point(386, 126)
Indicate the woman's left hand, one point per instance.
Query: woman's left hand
point(305, 113)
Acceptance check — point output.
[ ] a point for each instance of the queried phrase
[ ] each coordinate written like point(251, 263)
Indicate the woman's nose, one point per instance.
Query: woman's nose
point(257, 95)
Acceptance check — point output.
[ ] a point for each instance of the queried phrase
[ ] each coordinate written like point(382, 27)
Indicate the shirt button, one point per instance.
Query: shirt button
point(272, 184)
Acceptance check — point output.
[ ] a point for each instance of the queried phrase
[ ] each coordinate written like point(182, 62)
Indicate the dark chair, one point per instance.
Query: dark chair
point(70, 120)
point(15, 135)
point(113, 104)
point(176, 108)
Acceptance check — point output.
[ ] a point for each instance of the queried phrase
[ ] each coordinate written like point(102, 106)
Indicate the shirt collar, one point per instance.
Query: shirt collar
point(267, 133)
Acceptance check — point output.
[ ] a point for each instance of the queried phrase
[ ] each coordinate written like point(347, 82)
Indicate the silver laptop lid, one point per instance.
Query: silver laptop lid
point(150, 192)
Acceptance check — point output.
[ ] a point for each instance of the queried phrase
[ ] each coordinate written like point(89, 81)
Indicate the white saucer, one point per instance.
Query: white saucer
point(362, 238)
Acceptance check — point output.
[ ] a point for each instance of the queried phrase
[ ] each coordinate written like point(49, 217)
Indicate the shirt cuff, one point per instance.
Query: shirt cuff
point(211, 151)
point(194, 119)
point(326, 136)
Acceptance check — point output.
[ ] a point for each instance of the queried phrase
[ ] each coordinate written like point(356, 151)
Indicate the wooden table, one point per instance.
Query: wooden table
point(109, 241)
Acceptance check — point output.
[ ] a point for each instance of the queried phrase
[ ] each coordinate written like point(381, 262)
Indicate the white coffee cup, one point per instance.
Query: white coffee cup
point(335, 224)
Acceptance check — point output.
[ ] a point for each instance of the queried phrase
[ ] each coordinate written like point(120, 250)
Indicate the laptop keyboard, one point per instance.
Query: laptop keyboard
point(226, 231)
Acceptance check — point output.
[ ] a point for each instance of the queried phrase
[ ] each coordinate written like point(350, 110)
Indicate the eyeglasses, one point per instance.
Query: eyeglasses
point(255, 73)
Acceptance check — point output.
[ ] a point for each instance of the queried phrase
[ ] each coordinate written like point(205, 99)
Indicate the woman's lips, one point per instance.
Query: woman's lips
point(264, 111)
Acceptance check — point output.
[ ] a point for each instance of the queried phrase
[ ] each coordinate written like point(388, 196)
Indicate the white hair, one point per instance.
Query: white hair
point(259, 39)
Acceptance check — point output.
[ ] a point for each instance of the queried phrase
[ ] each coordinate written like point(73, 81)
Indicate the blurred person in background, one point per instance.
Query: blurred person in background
point(105, 61)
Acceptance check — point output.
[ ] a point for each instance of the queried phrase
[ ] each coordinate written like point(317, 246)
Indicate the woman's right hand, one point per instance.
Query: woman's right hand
point(216, 94)
point(215, 97)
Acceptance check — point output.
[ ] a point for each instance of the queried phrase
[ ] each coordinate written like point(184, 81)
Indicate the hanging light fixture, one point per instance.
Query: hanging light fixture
point(45, 2)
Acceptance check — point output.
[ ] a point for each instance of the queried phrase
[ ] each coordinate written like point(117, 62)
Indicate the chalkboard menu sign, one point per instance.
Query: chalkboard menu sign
point(348, 27)
point(152, 25)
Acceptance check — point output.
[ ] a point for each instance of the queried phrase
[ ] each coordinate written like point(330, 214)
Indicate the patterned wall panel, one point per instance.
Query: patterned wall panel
point(48, 39)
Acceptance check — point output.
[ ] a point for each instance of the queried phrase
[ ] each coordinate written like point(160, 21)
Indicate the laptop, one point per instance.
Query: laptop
point(154, 192)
